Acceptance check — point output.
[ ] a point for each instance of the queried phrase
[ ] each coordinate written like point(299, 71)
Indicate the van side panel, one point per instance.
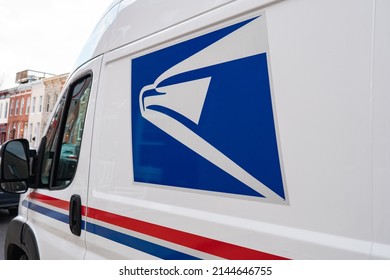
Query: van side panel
point(319, 62)
point(381, 117)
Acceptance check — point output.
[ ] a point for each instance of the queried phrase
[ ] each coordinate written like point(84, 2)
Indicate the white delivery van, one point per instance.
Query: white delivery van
point(248, 129)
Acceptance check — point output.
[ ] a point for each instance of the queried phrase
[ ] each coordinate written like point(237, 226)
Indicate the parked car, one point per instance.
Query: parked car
point(9, 201)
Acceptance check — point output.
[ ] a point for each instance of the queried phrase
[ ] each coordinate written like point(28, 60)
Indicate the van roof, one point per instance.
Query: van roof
point(93, 46)
point(126, 21)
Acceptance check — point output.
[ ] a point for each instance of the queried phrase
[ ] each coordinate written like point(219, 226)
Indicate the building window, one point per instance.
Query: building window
point(17, 107)
point(28, 105)
point(9, 133)
point(1, 109)
point(21, 106)
point(25, 130)
point(33, 105)
point(40, 104)
point(48, 104)
point(11, 112)
point(30, 132)
point(18, 132)
point(38, 131)
point(6, 110)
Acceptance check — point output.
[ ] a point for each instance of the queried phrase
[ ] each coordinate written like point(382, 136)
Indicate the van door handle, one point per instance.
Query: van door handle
point(75, 215)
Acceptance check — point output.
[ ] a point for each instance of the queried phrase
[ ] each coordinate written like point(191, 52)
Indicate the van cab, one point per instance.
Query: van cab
point(227, 129)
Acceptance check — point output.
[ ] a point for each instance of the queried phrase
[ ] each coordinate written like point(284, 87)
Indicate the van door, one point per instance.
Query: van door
point(231, 135)
point(57, 208)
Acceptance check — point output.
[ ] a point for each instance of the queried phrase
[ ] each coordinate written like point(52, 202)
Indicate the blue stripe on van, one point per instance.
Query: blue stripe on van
point(121, 238)
point(138, 244)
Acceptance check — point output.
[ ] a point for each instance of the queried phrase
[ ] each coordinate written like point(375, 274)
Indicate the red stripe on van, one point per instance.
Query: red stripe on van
point(207, 245)
point(196, 242)
point(59, 203)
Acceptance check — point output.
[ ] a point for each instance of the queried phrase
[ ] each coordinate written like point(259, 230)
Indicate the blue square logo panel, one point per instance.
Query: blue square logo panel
point(202, 115)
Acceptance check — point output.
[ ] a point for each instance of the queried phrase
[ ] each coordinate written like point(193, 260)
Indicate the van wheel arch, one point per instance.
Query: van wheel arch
point(20, 242)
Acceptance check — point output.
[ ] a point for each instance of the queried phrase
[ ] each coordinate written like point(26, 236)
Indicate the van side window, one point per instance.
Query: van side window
point(51, 140)
point(64, 135)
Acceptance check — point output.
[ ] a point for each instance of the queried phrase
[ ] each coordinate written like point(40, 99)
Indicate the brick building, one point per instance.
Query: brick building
point(4, 107)
point(25, 109)
point(19, 100)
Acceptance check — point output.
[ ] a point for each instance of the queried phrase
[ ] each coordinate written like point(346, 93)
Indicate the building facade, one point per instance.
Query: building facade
point(18, 112)
point(53, 88)
point(35, 113)
point(25, 109)
point(4, 107)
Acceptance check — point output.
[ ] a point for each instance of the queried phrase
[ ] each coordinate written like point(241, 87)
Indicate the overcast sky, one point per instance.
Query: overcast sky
point(44, 35)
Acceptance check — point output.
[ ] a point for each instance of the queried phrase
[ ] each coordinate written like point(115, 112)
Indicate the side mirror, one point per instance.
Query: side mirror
point(14, 166)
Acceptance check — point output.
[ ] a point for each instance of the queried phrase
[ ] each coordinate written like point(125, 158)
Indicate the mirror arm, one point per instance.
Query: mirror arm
point(33, 156)
point(37, 165)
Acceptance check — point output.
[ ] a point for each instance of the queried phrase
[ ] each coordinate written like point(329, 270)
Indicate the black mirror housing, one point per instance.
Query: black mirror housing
point(15, 166)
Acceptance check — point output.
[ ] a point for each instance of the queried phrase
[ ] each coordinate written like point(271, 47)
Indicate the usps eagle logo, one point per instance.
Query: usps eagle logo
point(202, 115)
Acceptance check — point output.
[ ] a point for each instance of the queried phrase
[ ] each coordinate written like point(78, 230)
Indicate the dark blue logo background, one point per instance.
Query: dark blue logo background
point(237, 119)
